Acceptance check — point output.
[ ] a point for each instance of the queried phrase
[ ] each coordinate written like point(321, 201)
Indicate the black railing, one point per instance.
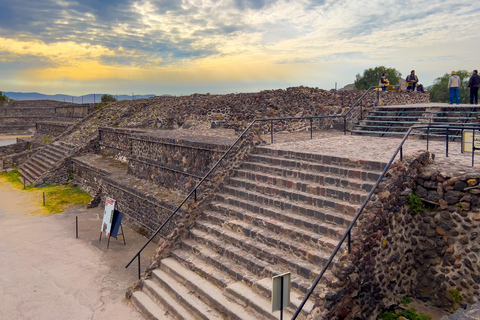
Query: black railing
point(352, 224)
point(271, 120)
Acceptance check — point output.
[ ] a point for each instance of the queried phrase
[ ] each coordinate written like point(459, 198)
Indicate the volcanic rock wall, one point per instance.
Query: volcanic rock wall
point(402, 247)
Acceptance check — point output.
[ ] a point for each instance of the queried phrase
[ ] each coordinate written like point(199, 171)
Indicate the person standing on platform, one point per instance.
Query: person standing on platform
point(453, 85)
point(412, 81)
point(473, 85)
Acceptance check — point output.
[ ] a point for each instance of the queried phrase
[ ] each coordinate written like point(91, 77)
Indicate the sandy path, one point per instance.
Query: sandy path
point(46, 273)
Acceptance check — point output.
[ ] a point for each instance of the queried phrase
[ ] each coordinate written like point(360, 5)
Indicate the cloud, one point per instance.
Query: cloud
point(233, 40)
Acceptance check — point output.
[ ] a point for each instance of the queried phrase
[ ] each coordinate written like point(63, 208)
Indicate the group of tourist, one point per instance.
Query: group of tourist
point(453, 85)
point(473, 85)
point(412, 82)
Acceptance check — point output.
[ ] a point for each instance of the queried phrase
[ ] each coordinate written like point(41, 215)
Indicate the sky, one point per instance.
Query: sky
point(226, 46)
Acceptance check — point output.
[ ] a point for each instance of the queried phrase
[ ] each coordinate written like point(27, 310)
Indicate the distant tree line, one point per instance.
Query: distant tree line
point(4, 98)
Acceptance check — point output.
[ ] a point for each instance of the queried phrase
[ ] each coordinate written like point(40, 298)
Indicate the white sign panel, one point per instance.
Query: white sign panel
point(467, 139)
point(280, 296)
point(108, 216)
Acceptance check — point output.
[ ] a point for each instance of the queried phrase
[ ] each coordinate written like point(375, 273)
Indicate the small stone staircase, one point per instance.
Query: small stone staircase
point(44, 160)
point(280, 212)
point(395, 120)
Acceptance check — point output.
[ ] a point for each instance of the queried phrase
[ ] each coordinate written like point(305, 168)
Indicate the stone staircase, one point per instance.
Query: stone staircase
point(395, 120)
point(280, 212)
point(44, 160)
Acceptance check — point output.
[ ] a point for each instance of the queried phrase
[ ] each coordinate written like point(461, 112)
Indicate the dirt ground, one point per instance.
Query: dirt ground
point(46, 273)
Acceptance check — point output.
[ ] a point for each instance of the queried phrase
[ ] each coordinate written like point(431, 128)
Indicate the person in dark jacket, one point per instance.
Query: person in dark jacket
point(473, 85)
point(412, 81)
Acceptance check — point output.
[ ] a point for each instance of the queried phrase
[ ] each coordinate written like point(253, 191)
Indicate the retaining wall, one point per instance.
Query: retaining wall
point(432, 255)
point(171, 159)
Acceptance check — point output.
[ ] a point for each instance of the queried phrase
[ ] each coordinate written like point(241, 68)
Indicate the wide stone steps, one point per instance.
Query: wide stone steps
point(294, 225)
point(262, 244)
point(272, 232)
point(274, 196)
point(394, 121)
point(233, 264)
point(350, 172)
point(43, 160)
point(281, 186)
point(265, 173)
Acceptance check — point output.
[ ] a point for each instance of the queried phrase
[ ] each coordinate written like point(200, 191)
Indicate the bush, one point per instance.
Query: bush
point(108, 98)
point(371, 77)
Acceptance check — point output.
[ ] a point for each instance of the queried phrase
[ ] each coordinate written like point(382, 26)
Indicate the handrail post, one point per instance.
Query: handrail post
point(378, 98)
point(446, 150)
point(311, 128)
point(345, 125)
point(361, 109)
point(428, 134)
point(401, 153)
point(138, 266)
point(349, 245)
point(473, 147)
point(195, 195)
point(271, 132)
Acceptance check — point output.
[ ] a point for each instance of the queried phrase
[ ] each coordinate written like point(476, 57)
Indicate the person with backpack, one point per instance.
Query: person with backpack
point(453, 85)
point(473, 85)
point(412, 81)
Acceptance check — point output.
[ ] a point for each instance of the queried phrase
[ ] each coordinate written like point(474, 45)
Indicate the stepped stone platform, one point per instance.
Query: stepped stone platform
point(283, 210)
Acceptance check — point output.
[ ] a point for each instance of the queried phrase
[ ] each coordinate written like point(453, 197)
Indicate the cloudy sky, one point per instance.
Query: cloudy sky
point(223, 46)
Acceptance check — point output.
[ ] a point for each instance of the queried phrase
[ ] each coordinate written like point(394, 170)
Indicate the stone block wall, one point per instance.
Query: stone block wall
point(170, 162)
point(14, 148)
point(74, 111)
point(162, 157)
point(51, 128)
point(396, 252)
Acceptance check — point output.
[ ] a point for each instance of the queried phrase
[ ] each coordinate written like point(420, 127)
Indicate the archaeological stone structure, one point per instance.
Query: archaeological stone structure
point(263, 210)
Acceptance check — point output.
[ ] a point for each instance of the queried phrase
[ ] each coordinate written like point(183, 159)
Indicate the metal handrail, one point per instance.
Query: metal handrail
point(360, 211)
point(271, 120)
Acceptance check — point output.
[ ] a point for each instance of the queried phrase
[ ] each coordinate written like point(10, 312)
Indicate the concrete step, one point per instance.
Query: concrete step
point(253, 256)
point(210, 293)
point(275, 196)
point(276, 186)
point(294, 226)
point(272, 248)
point(245, 296)
point(304, 160)
point(434, 118)
point(262, 172)
point(270, 231)
point(291, 212)
point(265, 287)
point(26, 174)
point(30, 173)
point(147, 307)
point(363, 174)
point(178, 299)
point(37, 164)
point(210, 265)
point(44, 159)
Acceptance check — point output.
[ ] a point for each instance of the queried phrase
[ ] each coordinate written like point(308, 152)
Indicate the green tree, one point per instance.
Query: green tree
point(440, 92)
point(108, 98)
point(4, 98)
point(371, 77)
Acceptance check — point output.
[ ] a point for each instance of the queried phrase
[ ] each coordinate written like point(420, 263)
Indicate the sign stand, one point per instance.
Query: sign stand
point(280, 292)
point(124, 243)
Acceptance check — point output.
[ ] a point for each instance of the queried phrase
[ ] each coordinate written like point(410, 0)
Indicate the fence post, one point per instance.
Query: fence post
point(271, 132)
point(311, 128)
point(446, 149)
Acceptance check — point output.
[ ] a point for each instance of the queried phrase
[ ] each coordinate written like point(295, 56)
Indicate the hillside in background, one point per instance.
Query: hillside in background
point(89, 98)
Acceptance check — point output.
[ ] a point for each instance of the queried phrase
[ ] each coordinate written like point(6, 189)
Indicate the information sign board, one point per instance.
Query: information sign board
point(280, 291)
point(108, 216)
point(467, 139)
